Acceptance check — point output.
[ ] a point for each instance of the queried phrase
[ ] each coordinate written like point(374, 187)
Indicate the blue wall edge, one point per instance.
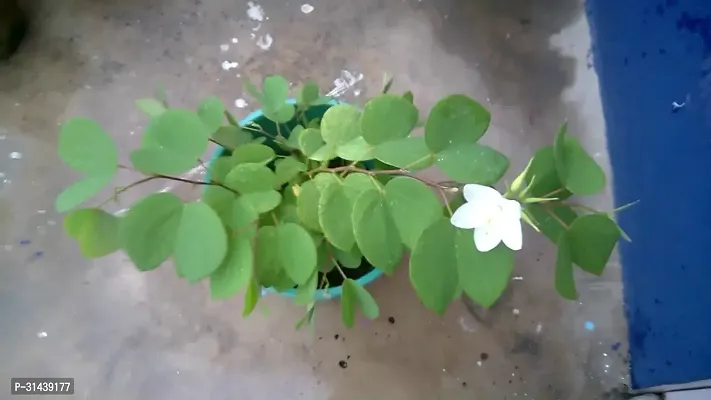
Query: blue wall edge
point(653, 60)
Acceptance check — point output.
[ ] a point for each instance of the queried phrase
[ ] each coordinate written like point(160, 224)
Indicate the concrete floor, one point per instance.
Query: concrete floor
point(126, 335)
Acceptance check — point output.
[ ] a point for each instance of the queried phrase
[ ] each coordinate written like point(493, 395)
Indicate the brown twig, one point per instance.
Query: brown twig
point(398, 172)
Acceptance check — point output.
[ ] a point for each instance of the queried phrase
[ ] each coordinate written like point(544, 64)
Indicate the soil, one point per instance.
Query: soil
point(335, 279)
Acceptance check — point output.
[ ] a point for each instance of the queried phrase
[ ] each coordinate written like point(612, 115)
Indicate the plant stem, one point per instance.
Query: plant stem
point(125, 188)
point(324, 282)
point(217, 143)
point(172, 178)
point(398, 172)
point(554, 192)
point(555, 217)
point(341, 271)
point(582, 207)
point(261, 130)
point(211, 182)
point(446, 201)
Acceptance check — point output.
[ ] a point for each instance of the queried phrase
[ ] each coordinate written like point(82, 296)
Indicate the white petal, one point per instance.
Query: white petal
point(480, 194)
point(511, 209)
point(469, 216)
point(511, 233)
point(487, 238)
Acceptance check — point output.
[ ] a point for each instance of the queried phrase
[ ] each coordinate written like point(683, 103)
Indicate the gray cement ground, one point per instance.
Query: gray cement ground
point(126, 335)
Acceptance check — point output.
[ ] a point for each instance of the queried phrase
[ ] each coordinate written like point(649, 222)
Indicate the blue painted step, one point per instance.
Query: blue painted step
point(653, 59)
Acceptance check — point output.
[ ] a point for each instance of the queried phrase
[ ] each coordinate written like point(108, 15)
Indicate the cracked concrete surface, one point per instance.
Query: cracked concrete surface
point(127, 335)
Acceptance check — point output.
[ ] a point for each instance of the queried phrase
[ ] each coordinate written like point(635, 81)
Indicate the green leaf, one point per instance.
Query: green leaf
point(249, 178)
point(325, 153)
point(85, 147)
point(147, 232)
point(433, 265)
point(306, 291)
point(325, 179)
point(564, 281)
point(375, 231)
point(546, 181)
point(251, 297)
point(349, 259)
point(365, 301)
point(548, 218)
point(161, 161)
point(220, 168)
point(292, 139)
point(297, 252)
point(222, 201)
point(211, 112)
point(472, 163)
point(253, 153)
point(355, 150)
point(577, 170)
point(200, 243)
point(326, 261)
point(340, 124)
point(267, 265)
point(357, 183)
point(310, 141)
point(413, 207)
point(307, 205)
point(235, 271)
point(95, 230)
point(409, 97)
point(334, 211)
point(287, 169)
point(242, 218)
point(410, 153)
point(230, 137)
point(454, 120)
point(177, 137)
point(314, 123)
point(275, 91)
point(348, 302)
point(387, 117)
point(282, 115)
point(482, 276)
point(592, 238)
point(262, 202)
point(308, 94)
point(81, 191)
point(152, 107)
point(251, 89)
point(308, 317)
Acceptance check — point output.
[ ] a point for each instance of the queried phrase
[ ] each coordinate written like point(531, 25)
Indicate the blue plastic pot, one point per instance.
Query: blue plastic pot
point(269, 126)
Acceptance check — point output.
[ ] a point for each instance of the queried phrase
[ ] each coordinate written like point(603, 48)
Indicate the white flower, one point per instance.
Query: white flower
point(493, 218)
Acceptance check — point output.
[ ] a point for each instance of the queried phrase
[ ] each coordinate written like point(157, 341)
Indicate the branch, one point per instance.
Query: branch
point(125, 188)
point(554, 216)
point(210, 183)
point(399, 172)
point(172, 178)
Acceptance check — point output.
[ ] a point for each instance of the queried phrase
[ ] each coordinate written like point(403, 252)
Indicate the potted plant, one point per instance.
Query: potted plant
point(314, 199)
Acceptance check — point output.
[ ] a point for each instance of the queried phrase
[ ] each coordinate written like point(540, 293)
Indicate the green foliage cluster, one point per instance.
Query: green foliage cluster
point(300, 196)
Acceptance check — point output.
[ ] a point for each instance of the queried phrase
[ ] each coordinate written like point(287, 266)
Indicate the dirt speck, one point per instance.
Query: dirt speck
point(335, 336)
point(391, 320)
point(343, 364)
point(484, 356)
